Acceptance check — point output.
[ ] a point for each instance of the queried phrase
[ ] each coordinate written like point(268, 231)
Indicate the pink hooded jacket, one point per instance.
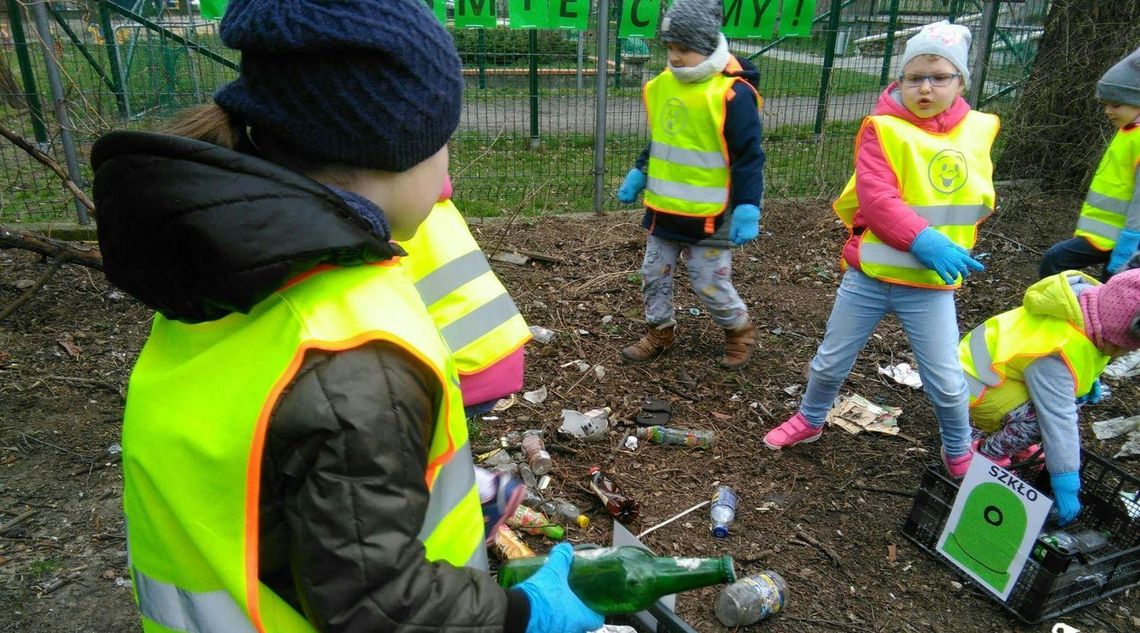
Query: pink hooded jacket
point(881, 208)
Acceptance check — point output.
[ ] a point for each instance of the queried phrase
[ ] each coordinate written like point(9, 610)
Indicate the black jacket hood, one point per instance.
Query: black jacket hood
point(197, 231)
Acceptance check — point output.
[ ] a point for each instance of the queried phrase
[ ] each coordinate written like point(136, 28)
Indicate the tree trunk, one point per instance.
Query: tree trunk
point(1057, 131)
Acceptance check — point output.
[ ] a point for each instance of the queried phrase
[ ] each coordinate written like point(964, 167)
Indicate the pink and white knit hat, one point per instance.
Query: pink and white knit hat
point(1112, 311)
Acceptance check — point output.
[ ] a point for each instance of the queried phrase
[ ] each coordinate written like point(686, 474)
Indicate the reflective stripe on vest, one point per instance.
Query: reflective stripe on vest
point(472, 310)
point(192, 464)
point(945, 178)
point(995, 354)
point(688, 170)
point(1105, 209)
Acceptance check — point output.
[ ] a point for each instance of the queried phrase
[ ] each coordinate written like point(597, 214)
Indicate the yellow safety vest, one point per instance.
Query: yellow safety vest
point(201, 397)
point(473, 311)
point(689, 172)
point(945, 178)
point(995, 354)
point(1105, 209)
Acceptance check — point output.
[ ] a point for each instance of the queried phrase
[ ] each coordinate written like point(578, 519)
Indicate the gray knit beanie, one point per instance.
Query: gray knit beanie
point(1121, 84)
point(951, 41)
point(694, 24)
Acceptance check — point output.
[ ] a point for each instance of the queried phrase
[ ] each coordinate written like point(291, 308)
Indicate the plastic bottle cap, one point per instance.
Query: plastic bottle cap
point(720, 531)
point(583, 521)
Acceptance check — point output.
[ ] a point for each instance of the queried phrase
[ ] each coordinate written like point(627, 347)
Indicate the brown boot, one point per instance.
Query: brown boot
point(738, 346)
point(658, 339)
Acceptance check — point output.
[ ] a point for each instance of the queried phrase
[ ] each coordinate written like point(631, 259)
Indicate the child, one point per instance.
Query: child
point(1108, 231)
point(705, 181)
point(1025, 366)
point(922, 184)
point(295, 455)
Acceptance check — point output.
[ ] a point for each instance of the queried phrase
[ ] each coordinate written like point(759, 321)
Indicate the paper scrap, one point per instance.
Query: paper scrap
point(1124, 367)
point(903, 374)
point(538, 396)
point(1131, 448)
point(1108, 429)
point(504, 403)
point(856, 414)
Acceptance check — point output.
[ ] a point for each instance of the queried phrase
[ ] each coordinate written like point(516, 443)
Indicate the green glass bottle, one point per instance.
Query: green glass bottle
point(616, 580)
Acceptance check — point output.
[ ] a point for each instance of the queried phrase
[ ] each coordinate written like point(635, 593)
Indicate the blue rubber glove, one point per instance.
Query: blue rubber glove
point(632, 185)
point(935, 251)
point(1094, 396)
point(745, 224)
point(553, 607)
point(1126, 245)
point(1065, 487)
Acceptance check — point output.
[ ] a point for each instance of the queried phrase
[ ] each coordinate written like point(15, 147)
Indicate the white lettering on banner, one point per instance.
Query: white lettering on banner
point(1064, 628)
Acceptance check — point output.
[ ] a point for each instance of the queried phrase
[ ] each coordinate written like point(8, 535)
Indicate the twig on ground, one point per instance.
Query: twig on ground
point(18, 519)
point(826, 549)
point(887, 491)
point(32, 290)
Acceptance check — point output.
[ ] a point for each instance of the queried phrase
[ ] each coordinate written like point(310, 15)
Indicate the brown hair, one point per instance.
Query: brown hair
point(212, 124)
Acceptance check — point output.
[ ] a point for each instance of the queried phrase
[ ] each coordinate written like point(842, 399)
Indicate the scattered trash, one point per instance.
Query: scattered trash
point(1126, 366)
point(577, 363)
point(489, 418)
point(608, 318)
point(792, 390)
point(541, 334)
point(695, 311)
point(534, 522)
point(114, 295)
point(508, 545)
point(617, 503)
point(903, 374)
point(510, 468)
point(584, 332)
point(599, 372)
point(751, 599)
point(1131, 448)
point(544, 482)
point(115, 451)
point(653, 412)
point(722, 511)
point(682, 437)
point(615, 628)
point(536, 456)
point(514, 438)
point(563, 509)
point(504, 403)
point(856, 414)
point(590, 426)
point(538, 396)
point(494, 458)
point(23, 284)
point(527, 476)
point(631, 442)
point(510, 257)
point(1108, 429)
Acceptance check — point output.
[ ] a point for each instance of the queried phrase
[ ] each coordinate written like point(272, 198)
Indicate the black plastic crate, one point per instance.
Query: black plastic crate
point(1052, 583)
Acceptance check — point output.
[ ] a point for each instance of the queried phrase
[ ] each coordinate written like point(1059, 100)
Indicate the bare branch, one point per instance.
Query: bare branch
point(48, 161)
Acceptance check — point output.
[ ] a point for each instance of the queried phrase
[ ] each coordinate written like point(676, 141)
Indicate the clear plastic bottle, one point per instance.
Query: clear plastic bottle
point(682, 437)
point(536, 455)
point(751, 599)
point(565, 510)
point(722, 511)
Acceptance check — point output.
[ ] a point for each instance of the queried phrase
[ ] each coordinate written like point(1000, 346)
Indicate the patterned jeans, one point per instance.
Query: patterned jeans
point(710, 273)
point(1018, 432)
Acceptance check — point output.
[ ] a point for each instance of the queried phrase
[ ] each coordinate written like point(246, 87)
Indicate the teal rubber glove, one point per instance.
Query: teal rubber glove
point(553, 607)
point(1094, 396)
point(745, 224)
point(1126, 245)
point(632, 185)
point(1065, 488)
point(935, 251)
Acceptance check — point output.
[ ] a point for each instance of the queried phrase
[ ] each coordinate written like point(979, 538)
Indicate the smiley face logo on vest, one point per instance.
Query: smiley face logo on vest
point(947, 170)
point(675, 116)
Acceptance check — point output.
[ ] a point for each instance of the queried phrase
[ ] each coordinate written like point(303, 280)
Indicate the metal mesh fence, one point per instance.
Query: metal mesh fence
point(527, 133)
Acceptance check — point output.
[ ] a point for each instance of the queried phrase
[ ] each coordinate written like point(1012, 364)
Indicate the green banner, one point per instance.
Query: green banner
point(639, 18)
point(795, 21)
point(212, 9)
point(570, 14)
point(439, 8)
point(750, 18)
point(474, 13)
point(529, 14)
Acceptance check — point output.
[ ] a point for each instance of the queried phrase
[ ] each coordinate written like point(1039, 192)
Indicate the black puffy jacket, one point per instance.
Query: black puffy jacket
point(197, 232)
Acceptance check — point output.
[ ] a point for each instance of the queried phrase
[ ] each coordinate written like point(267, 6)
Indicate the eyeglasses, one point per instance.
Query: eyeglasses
point(940, 80)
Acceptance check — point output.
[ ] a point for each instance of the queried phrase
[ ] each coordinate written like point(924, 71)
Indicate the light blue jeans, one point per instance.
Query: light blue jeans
point(931, 324)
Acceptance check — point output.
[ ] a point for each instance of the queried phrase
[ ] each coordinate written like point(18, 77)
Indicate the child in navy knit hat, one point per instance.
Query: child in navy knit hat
point(295, 451)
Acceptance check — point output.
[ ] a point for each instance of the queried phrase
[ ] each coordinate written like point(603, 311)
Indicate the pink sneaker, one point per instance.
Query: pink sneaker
point(795, 430)
point(957, 466)
point(1002, 461)
point(1033, 454)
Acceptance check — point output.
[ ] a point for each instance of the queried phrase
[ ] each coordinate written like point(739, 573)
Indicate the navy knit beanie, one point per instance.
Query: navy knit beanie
point(364, 83)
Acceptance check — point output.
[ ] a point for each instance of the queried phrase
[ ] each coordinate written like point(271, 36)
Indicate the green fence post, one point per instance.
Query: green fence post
point(118, 82)
point(532, 45)
point(990, 12)
point(828, 62)
point(480, 61)
point(955, 10)
point(889, 49)
point(31, 92)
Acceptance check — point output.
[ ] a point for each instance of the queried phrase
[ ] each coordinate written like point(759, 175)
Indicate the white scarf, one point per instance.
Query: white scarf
point(712, 65)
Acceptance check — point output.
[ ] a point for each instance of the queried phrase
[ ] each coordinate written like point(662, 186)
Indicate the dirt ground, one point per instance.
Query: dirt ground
point(65, 358)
